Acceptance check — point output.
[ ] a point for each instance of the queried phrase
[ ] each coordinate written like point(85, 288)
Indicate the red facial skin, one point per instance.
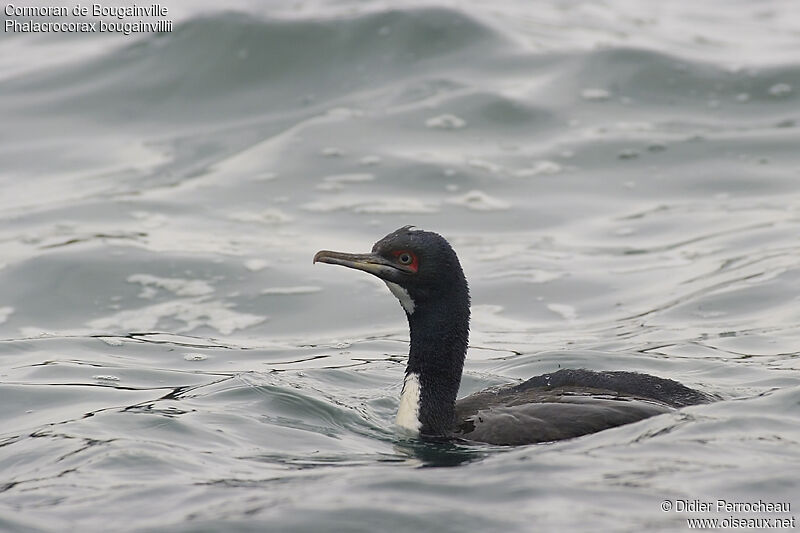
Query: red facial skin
point(414, 264)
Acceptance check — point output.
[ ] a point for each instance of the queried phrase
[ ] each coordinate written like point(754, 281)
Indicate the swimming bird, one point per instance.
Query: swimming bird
point(422, 270)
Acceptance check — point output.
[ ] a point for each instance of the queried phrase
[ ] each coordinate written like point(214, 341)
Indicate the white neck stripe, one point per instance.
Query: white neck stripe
point(405, 299)
point(408, 410)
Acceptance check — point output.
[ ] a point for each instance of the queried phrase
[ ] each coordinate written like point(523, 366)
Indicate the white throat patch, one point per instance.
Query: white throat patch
point(403, 296)
point(408, 410)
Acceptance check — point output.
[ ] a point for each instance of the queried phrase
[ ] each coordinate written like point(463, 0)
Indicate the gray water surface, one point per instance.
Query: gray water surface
point(620, 181)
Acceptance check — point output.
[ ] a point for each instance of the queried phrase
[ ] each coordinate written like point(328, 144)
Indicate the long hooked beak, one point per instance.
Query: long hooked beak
point(372, 263)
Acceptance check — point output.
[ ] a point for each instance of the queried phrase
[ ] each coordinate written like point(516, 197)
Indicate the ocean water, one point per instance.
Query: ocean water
point(620, 179)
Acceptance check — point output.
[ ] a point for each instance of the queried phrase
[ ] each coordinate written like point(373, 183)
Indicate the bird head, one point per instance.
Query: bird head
point(419, 267)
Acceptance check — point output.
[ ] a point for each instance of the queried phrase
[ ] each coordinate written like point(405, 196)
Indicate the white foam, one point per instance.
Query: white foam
point(150, 220)
point(398, 206)
point(532, 275)
point(264, 176)
point(349, 178)
point(267, 216)
point(780, 89)
point(595, 95)
point(301, 289)
point(395, 205)
point(479, 201)
point(331, 151)
point(255, 265)
point(539, 168)
point(178, 286)
point(192, 312)
point(446, 122)
point(369, 160)
point(485, 165)
point(566, 311)
point(5, 312)
point(337, 182)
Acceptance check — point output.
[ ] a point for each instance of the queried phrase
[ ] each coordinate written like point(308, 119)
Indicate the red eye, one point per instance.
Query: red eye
point(404, 257)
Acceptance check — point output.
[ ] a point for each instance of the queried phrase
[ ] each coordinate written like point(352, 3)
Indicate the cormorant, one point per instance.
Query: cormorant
point(423, 272)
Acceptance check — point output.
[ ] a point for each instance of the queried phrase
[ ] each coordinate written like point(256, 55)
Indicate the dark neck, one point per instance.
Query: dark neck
point(439, 336)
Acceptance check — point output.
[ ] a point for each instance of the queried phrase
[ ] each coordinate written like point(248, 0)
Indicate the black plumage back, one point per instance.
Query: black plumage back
point(666, 391)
